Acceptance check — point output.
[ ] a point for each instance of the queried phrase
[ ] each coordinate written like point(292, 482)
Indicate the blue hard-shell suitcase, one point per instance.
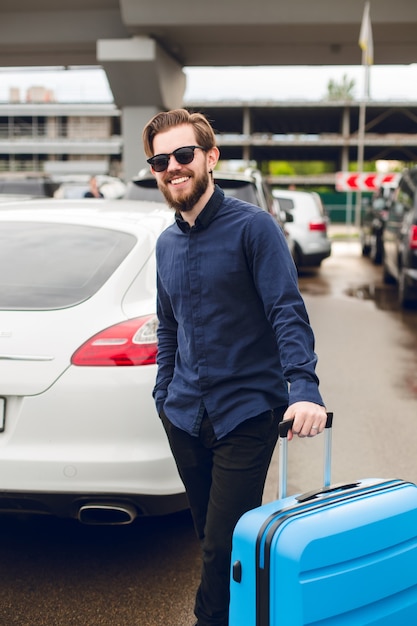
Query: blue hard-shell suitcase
point(344, 555)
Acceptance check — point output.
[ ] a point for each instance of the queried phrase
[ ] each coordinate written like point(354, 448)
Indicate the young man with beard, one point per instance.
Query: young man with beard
point(235, 347)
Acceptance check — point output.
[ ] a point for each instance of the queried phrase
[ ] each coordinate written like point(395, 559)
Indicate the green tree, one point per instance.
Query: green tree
point(289, 168)
point(343, 90)
point(279, 168)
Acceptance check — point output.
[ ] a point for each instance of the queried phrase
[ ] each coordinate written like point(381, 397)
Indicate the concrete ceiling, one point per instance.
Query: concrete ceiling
point(215, 33)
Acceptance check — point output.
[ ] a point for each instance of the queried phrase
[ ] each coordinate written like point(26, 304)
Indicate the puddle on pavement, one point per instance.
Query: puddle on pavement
point(384, 296)
point(363, 292)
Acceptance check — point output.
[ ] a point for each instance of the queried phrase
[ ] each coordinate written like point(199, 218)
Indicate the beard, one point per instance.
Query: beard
point(187, 201)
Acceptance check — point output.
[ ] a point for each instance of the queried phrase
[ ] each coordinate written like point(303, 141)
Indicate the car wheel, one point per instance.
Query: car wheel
point(297, 256)
point(406, 296)
point(387, 277)
point(365, 247)
point(375, 251)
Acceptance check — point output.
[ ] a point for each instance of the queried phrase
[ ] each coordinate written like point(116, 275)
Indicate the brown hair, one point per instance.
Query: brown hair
point(204, 133)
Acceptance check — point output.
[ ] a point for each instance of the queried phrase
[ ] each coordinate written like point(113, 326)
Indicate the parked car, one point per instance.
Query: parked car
point(79, 433)
point(305, 225)
point(400, 239)
point(34, 186)
point(249, 186)
point(77, 186)
point(373, 221)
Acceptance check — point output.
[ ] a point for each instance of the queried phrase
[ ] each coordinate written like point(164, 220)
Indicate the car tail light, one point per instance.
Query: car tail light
point(132, 342)
point(413, 238)
point(320, 226)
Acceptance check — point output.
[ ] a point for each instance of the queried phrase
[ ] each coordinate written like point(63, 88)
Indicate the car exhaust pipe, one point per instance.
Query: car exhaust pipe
point(106, 513)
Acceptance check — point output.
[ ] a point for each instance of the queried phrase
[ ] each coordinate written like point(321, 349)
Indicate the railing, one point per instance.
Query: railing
point(31, 166)
point(47, 131)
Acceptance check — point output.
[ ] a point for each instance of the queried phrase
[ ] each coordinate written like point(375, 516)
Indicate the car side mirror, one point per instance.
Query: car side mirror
point(286, 216)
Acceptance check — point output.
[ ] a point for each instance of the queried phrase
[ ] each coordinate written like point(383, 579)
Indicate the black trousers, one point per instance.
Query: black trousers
point(223, 479)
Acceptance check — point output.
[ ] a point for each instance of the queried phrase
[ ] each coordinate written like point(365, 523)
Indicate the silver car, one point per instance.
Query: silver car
point(305, 226)
point(249, 186)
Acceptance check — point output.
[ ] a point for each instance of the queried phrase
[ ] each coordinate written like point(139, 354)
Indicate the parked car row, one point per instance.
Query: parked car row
point(400, 239)
point(248, 185)
point(299, 213)
point(70, 187)
point(388, 234)
point(79, 432)
point(373, 221)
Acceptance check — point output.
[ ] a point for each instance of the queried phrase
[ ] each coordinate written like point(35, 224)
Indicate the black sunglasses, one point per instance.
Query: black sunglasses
point(183, 156)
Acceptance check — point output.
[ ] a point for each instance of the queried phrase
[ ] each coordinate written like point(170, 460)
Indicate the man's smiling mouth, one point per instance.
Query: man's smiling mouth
point(178, 181)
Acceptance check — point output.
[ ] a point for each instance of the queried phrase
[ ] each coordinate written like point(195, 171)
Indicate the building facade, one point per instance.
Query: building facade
point(55, 138)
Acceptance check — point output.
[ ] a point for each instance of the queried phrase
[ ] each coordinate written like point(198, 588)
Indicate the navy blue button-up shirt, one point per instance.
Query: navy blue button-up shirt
point(234, 335)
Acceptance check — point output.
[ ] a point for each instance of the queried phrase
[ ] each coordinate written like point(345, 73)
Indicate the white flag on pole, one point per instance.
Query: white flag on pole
point(365, 36)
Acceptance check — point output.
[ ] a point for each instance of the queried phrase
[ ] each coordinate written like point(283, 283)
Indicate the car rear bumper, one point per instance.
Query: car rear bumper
point(311, 259)
point(312, 252)
point(93, 435)
point(91, 508)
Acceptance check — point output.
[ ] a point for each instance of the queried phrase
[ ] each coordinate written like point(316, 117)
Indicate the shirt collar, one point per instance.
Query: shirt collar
point(206, 215)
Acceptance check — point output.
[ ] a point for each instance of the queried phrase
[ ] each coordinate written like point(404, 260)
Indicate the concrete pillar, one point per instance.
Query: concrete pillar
point(344, 157)
point(133, 122)
point(247, 132)
point(144, 79)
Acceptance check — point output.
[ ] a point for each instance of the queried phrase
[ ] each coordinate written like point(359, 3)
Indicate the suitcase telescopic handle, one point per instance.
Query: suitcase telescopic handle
point(286, 425)
point(284, 429)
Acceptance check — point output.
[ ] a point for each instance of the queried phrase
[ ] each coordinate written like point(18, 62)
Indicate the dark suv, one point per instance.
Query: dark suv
point(400, 239)
point(373, 222)
point(248, 185)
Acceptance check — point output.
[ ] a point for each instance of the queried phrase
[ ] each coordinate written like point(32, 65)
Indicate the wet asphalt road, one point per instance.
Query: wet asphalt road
point(60, 573)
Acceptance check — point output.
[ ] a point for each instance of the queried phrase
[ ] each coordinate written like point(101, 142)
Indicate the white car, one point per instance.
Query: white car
point(305, 225)
point(80, 436)
point(75, 187)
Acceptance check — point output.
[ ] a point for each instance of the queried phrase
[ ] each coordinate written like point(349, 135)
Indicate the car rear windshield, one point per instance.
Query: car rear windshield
point(51, 266)
point(305, 208)
point(239, 189)
point(147, 190)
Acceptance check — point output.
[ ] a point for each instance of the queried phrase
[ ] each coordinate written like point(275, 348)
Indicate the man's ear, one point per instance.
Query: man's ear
point(213, 156)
